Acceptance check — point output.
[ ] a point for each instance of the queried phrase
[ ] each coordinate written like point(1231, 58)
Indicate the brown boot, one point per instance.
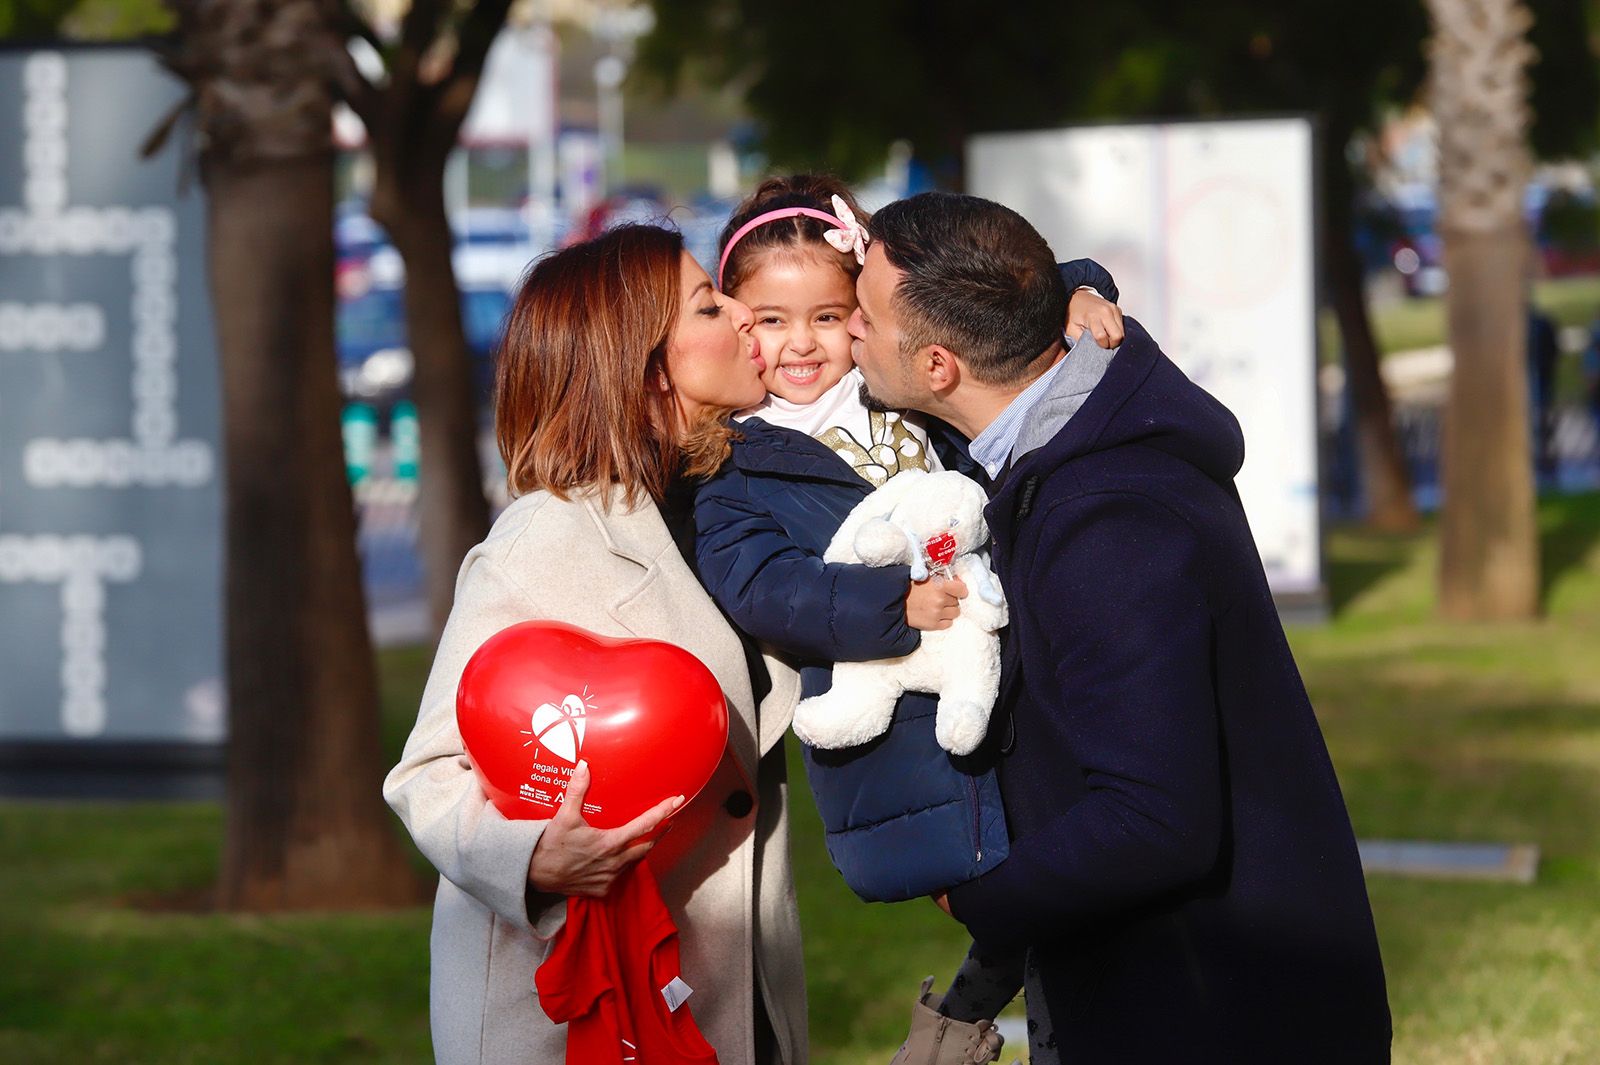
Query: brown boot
point(935, 1039)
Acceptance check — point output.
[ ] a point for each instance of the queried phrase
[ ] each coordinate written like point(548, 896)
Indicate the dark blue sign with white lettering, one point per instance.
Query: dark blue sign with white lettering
point(110, 519)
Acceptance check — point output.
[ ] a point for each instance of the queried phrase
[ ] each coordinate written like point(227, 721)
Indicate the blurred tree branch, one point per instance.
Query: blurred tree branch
point(82, 20)
point(835, 82)
point(413, 117)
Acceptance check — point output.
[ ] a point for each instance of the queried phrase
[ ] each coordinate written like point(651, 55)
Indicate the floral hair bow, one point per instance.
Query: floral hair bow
point(851, 236)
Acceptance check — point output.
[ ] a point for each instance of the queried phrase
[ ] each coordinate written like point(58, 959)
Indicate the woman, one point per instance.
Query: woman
point(619, 367)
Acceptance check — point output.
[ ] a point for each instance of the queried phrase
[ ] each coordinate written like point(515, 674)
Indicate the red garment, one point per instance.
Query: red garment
point(605, 976)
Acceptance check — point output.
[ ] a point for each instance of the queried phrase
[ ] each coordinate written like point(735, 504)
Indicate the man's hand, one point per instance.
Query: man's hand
point(942, 900)
point(1088, 312)
point(571, 858)
point(934, 603)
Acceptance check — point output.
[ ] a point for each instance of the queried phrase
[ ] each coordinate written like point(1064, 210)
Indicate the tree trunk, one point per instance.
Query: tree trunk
point(1489, 548)
point(1489, 564)
point(1384, 479)
point(413, 122)
point(306, 826)
point(453, 512)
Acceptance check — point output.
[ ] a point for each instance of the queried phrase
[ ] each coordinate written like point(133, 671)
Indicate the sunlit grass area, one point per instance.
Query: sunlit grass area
point(1438, 731)
point(1405, 324)
point(1410, 324)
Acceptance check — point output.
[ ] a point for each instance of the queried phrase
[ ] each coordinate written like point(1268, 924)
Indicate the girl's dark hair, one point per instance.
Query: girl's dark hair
point(797, 190)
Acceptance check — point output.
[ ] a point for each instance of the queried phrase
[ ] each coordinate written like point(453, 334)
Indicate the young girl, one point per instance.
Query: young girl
point(902, 818)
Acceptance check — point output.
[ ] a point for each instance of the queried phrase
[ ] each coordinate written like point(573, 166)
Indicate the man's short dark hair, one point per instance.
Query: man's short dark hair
point(976, 278)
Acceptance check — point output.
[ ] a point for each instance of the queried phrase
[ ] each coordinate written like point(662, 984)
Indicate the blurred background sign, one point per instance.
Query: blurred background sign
point(1208, 229)
point(110, 564)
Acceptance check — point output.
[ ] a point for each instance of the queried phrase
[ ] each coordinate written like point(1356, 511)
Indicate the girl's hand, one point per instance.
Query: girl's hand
point(934, 603)
point(573, 859)
point(1088, 312)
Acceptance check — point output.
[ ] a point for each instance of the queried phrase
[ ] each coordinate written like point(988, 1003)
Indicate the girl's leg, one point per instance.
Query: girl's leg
point(983, 986)
point(1042, 1049)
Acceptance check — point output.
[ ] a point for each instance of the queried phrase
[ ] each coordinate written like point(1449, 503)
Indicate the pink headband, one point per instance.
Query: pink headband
point(850, 236)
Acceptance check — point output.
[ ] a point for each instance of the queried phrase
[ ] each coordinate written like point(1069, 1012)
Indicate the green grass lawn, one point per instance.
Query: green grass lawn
point(1440, 732)
point(1408, 324)
point(1420, 323)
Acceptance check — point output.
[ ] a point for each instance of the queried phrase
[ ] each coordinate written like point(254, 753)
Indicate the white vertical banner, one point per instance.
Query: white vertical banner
point(1209, 230)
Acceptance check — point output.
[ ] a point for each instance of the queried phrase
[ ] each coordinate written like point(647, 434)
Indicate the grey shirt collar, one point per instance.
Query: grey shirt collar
point(1081, 371)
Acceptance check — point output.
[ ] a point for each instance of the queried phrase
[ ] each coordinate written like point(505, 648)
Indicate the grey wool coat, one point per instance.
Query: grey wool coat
point(723, 870)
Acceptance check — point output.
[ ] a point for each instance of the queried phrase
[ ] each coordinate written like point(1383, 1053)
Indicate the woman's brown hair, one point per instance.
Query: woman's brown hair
point(578, 403)
point(815, 191)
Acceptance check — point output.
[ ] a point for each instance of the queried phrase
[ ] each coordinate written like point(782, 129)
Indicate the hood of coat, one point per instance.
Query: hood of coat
point(1143, 400)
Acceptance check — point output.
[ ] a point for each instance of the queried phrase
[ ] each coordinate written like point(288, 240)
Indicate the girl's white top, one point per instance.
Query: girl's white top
point(876, 445)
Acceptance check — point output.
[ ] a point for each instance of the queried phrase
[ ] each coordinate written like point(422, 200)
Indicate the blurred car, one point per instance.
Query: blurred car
point(355, 235)
point(624, 206)
point(1569, 233)
point(1563, 223)
point(493, 251)
point(376, 366)
point(1419, 260)
point(1416, 252)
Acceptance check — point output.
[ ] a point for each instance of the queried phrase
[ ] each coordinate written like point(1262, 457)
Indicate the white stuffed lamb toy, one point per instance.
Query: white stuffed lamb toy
point(933, 522)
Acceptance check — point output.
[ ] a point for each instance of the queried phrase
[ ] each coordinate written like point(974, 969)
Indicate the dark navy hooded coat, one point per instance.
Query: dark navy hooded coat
point(901, 817)
point(1182, 864)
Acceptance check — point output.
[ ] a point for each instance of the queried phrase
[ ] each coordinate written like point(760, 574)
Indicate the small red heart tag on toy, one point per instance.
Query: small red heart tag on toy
point(941, 549)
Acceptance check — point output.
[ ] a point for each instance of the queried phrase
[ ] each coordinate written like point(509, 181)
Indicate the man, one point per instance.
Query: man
point(1182, 868)
point(1544, 353)
point(1590, 364)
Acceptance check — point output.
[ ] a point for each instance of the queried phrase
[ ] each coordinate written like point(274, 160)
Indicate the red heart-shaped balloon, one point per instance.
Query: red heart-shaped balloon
point(648, 717)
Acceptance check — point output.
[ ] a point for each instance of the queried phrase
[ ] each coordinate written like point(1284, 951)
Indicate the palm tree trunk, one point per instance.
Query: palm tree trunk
point(1489, 561)
point(1489, 548)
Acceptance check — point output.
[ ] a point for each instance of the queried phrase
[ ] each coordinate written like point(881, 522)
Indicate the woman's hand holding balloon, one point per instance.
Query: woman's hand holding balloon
point(571, 858)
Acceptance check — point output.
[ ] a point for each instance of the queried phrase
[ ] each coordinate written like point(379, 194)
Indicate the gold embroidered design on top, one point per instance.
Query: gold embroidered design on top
point(893, 447)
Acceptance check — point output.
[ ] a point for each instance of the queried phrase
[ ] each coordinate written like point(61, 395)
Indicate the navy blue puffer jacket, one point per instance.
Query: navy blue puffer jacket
point(902, 817)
